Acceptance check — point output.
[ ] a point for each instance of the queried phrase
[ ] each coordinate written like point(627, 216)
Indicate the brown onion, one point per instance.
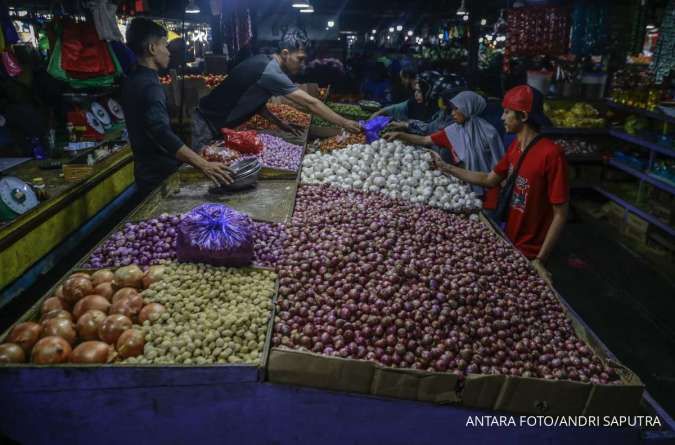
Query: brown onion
point(105, 290)
point(152, 275)
point(90, 302)
point(130, 343)
point(52, 303)
point(25, 335)
point(91, 352)
point(59, 327)
point(150, 312)
point(123, 293)
point(76, 288)
point(51, 350)
point(88, 324)
point(129, 306)
point(112, 327)
point(102, 276)
point(81, 275)
point(12, 353)
point(129, 276)
point(59, 292)
point(56, 313)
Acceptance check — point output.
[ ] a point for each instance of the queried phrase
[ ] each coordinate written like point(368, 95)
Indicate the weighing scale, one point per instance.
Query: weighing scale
point(16, 198)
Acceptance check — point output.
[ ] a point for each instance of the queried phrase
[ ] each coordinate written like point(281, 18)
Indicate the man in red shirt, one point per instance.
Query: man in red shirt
point(540, 200)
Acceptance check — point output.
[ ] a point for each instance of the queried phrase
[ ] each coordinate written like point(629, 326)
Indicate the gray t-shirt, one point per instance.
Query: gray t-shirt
point(247, 89)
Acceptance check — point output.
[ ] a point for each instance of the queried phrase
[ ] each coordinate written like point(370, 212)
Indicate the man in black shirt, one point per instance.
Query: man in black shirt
point(252, 83)
point(157, 150)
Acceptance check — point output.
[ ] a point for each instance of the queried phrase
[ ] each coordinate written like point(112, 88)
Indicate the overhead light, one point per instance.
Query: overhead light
point(391, 29)
point(331, 23)
point(372, 38)
point(301, 5)
point(388, 37)
point(483, 22)
point(309, 10)
point(406, 38)
point(410, 33)
point(465, 17)
point(399, 28)
point(327, 28)
point(462, 9)
point(440, 37)
point(374, 31)
point(192, 8)
point(650, 27)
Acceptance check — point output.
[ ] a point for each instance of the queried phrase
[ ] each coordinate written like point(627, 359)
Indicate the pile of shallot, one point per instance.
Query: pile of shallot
point(367, 277)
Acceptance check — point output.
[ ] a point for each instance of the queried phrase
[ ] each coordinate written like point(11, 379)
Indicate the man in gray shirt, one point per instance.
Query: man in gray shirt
point(252, 83)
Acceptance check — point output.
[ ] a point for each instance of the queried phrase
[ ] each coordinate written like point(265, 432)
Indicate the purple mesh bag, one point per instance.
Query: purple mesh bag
point(215, 234)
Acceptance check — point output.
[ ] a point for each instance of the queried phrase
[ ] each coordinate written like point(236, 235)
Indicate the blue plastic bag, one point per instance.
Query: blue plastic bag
point(374, 126)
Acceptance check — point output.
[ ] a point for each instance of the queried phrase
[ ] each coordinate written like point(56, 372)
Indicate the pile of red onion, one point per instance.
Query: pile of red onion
point(366, 277)
point(279, 153)
point(268, 239)
point(147, 242)
point(154, 242)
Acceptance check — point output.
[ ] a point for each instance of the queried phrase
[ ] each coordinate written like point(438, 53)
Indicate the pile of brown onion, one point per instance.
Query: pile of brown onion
point(366, 277)
point(91, 318)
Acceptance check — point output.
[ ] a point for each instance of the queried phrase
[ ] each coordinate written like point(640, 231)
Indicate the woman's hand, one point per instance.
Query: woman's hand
point(391, 136)
point(398, 125)
point(438, 162)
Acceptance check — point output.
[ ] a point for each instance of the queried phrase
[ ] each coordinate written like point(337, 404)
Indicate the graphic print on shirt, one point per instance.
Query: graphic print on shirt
point(520, 191)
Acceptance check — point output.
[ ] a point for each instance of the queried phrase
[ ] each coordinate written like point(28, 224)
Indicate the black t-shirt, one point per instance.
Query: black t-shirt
point(153, 142)
point(248, 88)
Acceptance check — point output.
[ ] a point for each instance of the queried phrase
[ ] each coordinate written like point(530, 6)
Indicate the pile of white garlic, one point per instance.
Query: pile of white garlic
point(393, 169)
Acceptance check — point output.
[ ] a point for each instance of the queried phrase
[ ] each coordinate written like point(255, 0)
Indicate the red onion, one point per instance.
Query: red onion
point(364, 276)
point(91, 352)
point(25, 335)
point(51, 351)
point(11, 353)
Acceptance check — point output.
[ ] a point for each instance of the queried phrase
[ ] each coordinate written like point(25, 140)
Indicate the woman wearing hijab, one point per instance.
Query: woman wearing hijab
point(417, 107)
point(470, 140)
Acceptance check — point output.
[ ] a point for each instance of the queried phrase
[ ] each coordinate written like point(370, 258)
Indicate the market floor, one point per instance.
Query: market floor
point(624, 300)
point(621, 297)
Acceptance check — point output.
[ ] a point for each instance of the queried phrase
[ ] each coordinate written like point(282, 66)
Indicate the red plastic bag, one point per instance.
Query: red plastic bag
point(83, 54)
point(242, 141)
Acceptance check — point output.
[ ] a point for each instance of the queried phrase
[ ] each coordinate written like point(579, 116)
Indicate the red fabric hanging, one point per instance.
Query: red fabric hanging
point(84, 55)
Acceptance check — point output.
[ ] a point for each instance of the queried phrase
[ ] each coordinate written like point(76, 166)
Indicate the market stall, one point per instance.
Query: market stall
point(222, 382)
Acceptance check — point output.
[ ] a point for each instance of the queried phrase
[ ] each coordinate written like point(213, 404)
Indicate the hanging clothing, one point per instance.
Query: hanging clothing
point(103, 13)
point(83, 54)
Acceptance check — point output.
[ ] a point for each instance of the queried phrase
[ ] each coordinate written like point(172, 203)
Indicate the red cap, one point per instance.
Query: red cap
point(519, 98)
point(527, 99)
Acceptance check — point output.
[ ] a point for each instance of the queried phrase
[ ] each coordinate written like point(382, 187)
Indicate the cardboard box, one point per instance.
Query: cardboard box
point(513, 394)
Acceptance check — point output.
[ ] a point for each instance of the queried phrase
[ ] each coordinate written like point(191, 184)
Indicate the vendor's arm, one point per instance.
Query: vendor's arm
point(159, 129)
point(315, 106)
point(398, 112)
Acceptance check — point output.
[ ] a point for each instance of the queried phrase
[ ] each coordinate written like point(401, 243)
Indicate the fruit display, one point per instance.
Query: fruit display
point(635, 124)
point(211, 80)
point(289, 114)
point(91, 318)
point(634, 86)
point(318, 122)
point(214, 315)
point(407, 286)
point(353, 112)
point(393, 169)
point(342, 140)
point(580, 115)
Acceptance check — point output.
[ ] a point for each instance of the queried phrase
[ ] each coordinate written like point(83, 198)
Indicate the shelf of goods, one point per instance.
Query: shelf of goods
point(658, 115)
point(33, 242)
point(275, 388)
point(654, 149)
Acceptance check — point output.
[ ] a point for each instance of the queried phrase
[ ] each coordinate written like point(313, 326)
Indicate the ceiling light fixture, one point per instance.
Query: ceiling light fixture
point(483, 22)
point(192, 8)
point(462, 9)
point(374, 31)
point(399, 28)
point(410, 33)
point(391, 29)
point(440, 37)
point(331, 23)
point(301, 5)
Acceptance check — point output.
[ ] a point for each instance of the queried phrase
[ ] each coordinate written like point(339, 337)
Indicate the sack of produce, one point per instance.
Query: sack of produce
point(215, 234)
point(374, 126)
point(246, 142)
